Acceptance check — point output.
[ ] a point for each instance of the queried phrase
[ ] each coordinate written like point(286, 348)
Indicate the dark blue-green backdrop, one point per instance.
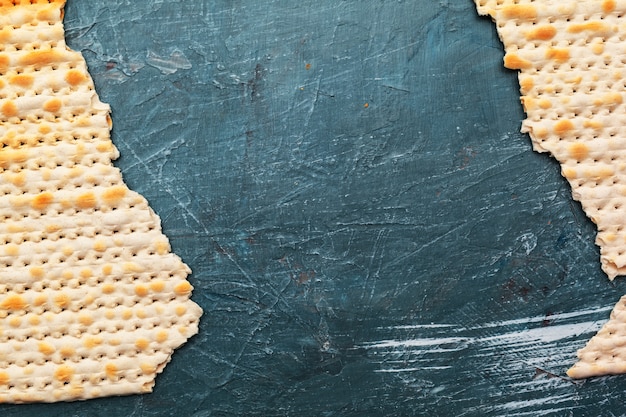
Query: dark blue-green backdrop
point(369, 232)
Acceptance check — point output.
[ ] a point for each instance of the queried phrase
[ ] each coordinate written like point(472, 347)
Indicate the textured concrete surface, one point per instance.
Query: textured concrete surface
point(369, 233)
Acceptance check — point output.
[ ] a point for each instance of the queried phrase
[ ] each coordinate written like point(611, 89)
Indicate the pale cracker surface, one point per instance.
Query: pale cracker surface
point(92, 301)
point(571, 57)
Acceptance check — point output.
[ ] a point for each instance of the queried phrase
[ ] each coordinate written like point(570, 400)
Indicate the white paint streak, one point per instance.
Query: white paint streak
point(553, 317)
point(416, 342)
point(425, 368)
point(526, 320)
point(422, 326)
point(516, 347)
point(544, 334)
point(519, 405)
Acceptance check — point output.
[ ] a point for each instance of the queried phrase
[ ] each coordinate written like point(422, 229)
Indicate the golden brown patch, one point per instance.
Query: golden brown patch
point(40, 300)
point(181, 310)
point(85, 319)
point(526, 83)
point(563, 126)
point(13, 302)
point(62, 300)
point(558, 54)
point(45, 128)
point(9, 109)
point(52, 228)
point(608, 6)
point(519, 12)
point(183, 288)
point(111, 370)
point(64, 373)
point(22, 80)
point(161, 336)
point(569, 173)
point(612, 98)
point(42, 200)
point(11, 249)
point(18, 179)
point(5, 34)
point(142, 344)
point(528, 103)
point(5, 63)
point(514, 62)
point(46, 348)
point(67, 352)
point(53, 105)
point(92, 342)
point(41, 58)
point(595, 26)
point(162, 247)
point(147, 368)
point(127, 314)
point(48, 14)
point(113, 195)
point(37, 272)
point(579, 151)
point(597, 48)
point(104, 147)
point(131, 267)
point(593, 124)
point(141, 290)
point(545, 104)
point(75, 77)
point(541, 33)
point(86, 201)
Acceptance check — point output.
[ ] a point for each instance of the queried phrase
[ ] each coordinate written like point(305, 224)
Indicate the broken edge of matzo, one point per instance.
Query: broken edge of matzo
point(92, 300)
point(572, 72)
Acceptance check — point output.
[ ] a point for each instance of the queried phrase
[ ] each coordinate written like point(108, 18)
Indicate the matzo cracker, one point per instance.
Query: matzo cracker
point(92, 301)
point(571, 57)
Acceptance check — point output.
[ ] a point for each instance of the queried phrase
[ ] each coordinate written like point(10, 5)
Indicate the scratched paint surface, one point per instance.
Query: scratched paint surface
point(369, 233)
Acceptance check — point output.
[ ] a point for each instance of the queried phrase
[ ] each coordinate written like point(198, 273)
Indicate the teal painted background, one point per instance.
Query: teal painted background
point(369, 233)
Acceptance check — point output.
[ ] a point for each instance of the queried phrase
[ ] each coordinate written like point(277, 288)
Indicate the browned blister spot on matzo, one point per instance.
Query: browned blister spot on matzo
point(92, 301)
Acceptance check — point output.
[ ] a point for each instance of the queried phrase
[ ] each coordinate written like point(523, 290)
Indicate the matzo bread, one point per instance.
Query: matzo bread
point(572, 79)
point(571, 57)
point(92, 301)
point(605, 353)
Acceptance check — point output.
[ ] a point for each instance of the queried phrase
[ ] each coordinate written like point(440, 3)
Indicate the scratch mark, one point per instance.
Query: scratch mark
point(376, 249)
point(426, 245)
point(311, 111)
point(204, 229)
point(159, 153)
point(391, 51)
point(168, 64)
point(260, 323)
point(391, 87)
